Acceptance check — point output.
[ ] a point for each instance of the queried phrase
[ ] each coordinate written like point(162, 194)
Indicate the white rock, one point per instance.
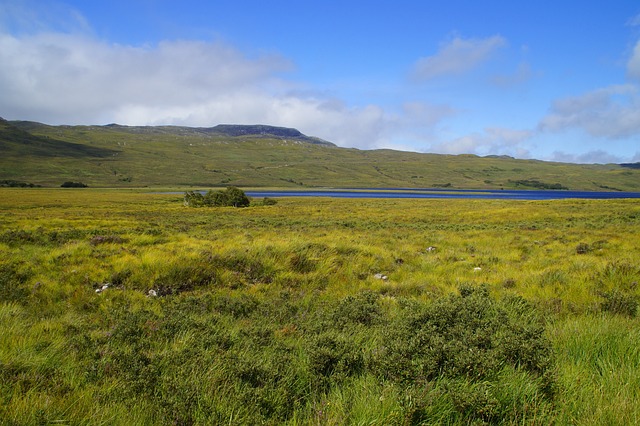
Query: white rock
point(152, 293)
point(381, 277)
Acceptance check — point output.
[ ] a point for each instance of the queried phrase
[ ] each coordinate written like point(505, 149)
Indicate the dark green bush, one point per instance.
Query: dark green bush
point(464, 343)
point(70, 184)
point(230, 197)
point(333, 357)
point(360, 309)
point(470, 335)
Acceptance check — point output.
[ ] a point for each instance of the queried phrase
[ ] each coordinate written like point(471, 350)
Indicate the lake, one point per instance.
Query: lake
point(445, 193)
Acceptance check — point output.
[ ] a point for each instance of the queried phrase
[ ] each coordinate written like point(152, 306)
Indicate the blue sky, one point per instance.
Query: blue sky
point(555, 81)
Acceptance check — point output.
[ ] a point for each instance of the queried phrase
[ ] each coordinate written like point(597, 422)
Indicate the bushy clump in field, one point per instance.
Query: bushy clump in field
point(266, 201)
point(230, 197)
point(12, 283)
point(465, 344)
point(618, 302)
point(583, 248)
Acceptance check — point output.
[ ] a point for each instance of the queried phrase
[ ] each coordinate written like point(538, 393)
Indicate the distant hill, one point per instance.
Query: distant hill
point(265, 156)
point(266, 131)
point(15, 141)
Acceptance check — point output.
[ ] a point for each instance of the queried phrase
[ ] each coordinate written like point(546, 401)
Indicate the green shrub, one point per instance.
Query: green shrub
point(360, 309)
point(465, 344)
point(266, 201)
point(333, 357)
point(230, 197)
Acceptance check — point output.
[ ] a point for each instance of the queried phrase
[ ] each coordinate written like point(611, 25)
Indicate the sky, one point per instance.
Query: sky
point(551, 80)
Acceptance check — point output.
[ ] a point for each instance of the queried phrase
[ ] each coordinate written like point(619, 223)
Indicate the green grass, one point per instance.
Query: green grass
point(274, 315)
point(107, 156)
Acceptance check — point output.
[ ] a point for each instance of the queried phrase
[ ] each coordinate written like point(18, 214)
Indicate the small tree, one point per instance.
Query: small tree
point(193, 199)
point(236, 197)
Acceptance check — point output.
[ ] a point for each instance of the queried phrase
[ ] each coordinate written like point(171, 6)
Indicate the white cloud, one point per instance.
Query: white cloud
point(612, 112)
point(492, 141)
point(633, 66)
point(591, 157)
point(522, 74)
point(635, 21)
point(56, 76)
point(457, 57)
point(74, 78)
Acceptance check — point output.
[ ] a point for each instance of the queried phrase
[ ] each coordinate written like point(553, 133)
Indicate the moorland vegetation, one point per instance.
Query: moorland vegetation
point(128, 307)
point(265, 156)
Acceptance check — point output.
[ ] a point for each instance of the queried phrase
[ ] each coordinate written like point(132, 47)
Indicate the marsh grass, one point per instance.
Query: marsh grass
point(522, 312)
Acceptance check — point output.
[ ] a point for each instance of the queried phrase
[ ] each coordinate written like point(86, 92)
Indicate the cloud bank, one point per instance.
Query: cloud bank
point(490, 141)
point(612, 112)
point(50, 77)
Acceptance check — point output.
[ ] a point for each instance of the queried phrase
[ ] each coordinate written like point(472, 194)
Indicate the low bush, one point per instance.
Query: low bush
point(617, 302)
point(470, 339)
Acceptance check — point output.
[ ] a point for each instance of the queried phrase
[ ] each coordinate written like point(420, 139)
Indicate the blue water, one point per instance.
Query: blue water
point(447, 193)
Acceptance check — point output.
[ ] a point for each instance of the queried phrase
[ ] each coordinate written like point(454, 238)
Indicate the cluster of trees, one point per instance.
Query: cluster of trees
point(232, 197)
point(537, 184)
point(70, 184)
point(17, 184)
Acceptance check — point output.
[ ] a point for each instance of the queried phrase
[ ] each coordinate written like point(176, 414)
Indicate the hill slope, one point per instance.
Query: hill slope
point(258, 155)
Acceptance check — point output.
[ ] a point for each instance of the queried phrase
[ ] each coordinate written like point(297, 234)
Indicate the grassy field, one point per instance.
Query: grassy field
point(117, 156)
point(317, 311)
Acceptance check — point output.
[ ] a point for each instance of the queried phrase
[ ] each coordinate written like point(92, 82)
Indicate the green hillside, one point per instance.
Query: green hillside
point(255, 156)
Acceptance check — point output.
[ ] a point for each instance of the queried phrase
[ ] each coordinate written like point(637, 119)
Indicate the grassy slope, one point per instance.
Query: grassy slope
point(112, 156)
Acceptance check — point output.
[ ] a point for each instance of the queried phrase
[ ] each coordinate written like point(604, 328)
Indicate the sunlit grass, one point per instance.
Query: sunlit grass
point(247, 294)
